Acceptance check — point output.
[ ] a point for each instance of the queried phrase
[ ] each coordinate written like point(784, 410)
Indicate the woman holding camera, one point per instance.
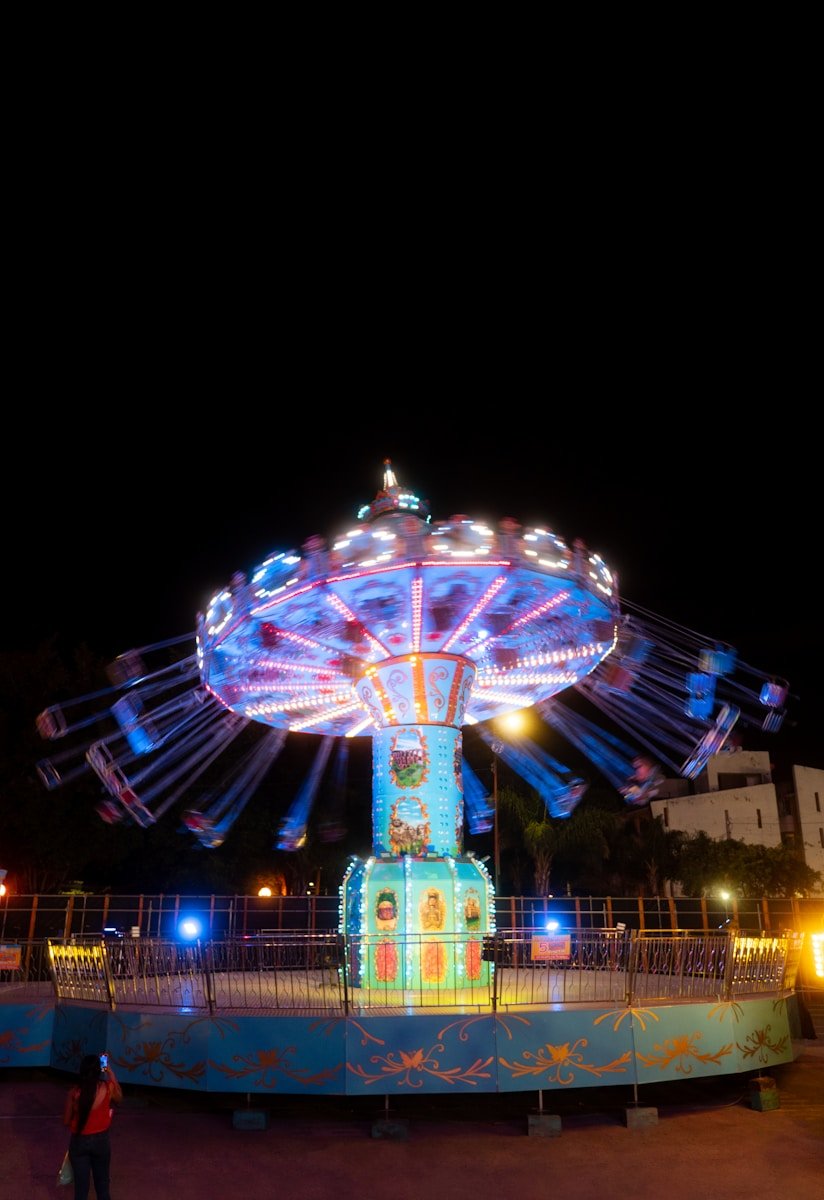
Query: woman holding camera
point(88, 1114)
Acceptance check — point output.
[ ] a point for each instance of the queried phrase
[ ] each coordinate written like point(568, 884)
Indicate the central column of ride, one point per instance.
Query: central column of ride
point(416, 911)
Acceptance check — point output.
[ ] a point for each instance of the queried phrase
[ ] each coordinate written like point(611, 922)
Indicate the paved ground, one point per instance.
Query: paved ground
point(708, 1142)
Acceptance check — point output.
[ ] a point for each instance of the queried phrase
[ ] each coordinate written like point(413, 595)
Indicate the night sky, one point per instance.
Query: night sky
point(118, 539)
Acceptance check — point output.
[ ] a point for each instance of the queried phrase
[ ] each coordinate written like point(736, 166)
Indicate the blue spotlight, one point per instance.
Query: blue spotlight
point(189, 929)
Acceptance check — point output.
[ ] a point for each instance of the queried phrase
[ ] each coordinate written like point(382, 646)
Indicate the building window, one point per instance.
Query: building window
point(817, 802)
point(760, 822)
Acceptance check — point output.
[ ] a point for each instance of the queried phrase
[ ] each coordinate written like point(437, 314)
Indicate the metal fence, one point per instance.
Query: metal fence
point(333, 974)
point(29, 918)
point(31, 965)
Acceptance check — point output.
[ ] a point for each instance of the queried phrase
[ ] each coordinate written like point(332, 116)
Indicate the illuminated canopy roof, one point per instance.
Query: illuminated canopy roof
point(287, 647)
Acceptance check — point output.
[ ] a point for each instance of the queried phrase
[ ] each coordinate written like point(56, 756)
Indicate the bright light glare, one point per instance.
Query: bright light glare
point(264, 891)
point(551, 926)
point(188, 929)
point(512, 721)
point(818, 954)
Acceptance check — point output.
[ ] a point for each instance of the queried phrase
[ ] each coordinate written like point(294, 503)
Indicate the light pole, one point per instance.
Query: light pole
point(496, 746)
point(513, 722)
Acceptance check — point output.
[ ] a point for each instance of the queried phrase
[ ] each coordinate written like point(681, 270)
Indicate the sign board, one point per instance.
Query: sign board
point(10, 958)
point(551, 945)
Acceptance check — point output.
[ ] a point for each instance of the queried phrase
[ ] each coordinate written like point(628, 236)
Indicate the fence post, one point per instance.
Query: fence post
point(209, 976)
point(107, 974)
point(729, 966)
point(632, 965)
point(67, 924)
point(343, 958)
point(30, 939)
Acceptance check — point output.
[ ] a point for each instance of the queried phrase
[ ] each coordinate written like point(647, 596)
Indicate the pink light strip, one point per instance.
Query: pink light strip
point(539, 611)
point(346, 612)
point(287, 594)
point(361, 725)
point(325, 716)
point(302, 641)
point(526, 679)
point(321, 674)
point(284, 689)
point(417, 605)
point(472, 560)
point(489, 595)
point(530, 661)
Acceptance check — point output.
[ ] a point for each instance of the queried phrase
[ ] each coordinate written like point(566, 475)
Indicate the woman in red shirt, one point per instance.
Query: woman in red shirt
point(88, 1114)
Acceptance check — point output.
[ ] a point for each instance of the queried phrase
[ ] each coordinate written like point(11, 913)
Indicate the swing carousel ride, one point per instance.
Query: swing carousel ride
point(405, 630)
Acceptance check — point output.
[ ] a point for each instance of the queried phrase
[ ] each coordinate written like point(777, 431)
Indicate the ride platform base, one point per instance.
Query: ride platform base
point(250, 1118)
point(638, 1117)
point(394, 1129)
point(764, 1094)
point(543, 1125)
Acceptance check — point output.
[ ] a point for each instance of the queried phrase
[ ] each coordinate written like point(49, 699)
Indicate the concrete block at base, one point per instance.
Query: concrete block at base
point(398, 1130)
point(249, 1118)
point(543, 1125)
point(764, 1094)
point(637, 1117)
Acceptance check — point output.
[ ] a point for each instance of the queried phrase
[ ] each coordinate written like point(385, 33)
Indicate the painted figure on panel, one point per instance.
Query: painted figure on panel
point(432, 909)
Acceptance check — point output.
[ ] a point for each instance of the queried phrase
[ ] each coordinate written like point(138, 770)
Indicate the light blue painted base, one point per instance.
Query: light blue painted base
point(406, 1054)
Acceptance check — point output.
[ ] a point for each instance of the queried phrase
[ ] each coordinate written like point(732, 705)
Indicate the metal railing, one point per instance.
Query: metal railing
point(28, 918)
point(337, 974)
point(23, 963)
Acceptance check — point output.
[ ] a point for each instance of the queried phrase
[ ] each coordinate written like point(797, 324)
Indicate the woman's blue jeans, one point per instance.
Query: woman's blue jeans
point(90, 1155)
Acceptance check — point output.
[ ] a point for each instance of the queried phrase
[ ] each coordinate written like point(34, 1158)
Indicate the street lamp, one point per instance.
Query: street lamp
point(497, 747)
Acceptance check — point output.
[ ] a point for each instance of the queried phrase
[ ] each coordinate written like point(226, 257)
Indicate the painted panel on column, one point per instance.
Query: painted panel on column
point(26, 1035)
point(557, 1050)
point(162, 1049)
point(410, 1054)
point(295, 1055)
point(77, 1032)
point(417, 799)
point(682, 1041)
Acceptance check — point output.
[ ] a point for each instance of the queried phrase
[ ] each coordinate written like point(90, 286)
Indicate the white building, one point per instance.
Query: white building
point(807, 813)
point(735, 797)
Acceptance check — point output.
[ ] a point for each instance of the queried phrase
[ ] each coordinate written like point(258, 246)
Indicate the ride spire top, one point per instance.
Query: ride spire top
point(389, 480)
point(394, 500)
